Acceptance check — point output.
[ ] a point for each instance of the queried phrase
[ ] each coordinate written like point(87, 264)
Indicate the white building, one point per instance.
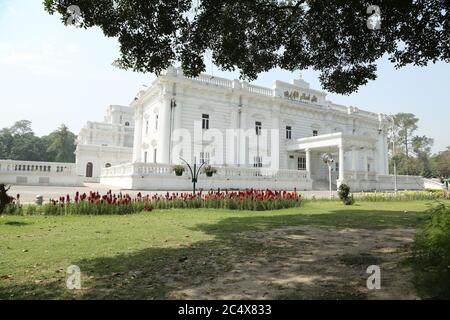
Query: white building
point(256, 137)
point(105, 144)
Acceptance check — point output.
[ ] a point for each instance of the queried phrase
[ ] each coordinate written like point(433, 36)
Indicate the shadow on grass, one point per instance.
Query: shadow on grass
point(16, 223)
point(155, 273)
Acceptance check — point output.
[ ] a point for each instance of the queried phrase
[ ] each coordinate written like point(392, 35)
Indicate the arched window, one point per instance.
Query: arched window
point(89, 170)
point(108, 165)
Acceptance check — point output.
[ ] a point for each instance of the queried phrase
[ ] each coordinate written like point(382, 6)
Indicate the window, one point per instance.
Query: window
point(127, 124)
point(155, 155)
point(301, 163)
point(121, 119)
point(315, 133)
point(258, 162)
point(337, 167)
point(156, 122)
point(204, 157)
point(146, 128)
point(108, 165)
point(368, 167)
point(145, 157)
point(258, 127)
point(89, 170)
point(289, 133)
point(205, 121)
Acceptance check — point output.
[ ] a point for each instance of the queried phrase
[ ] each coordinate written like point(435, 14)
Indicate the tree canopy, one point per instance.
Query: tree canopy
point(254, 36)
point(19, 143)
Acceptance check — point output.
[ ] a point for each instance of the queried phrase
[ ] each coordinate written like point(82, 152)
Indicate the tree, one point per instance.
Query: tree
point(62, 145)
point(6, 142)
point(254, 36)
point(406, 124)
point(19, 143)
point(441, 164)
point(21, 127)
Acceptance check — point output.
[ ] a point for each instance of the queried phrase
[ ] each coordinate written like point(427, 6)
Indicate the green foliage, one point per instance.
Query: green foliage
point(62, 144)
point(179, 169)
point(431, 255)
point(401, 196)
point(19, 143)
point(345, 195)
point(330, 36)
point(441, 164)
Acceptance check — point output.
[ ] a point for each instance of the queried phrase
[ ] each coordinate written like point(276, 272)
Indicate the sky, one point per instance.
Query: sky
point(52, 74)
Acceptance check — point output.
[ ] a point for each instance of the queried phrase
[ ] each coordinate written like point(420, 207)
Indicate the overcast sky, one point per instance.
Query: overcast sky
point(52, 74)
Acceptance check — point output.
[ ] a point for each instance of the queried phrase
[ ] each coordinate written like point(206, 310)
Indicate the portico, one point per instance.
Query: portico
point(354, 156)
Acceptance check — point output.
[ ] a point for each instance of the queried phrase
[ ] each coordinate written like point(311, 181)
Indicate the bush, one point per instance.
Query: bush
point(431, 255)
point(178, 169)
point(345, 195)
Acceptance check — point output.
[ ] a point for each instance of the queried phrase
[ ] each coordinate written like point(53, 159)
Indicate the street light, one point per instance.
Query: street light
point(328, 160)
point(394, 159)
point(194, 172)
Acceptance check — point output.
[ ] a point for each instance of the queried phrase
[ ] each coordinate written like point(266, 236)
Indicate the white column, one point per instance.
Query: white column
point(308, 162)
point(243, 139)
point(137, 144)
point(354, 162)
point(341, 164)
point(175, 134)
point(386, 155)
point(366, 162)
point(163, 153)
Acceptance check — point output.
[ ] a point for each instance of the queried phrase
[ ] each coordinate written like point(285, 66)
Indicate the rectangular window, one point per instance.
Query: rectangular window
point(301, 163)
point(156, 122)
point(337, 167)
point(204, 157)
point(289, 133)
point(368, 167)
point(258, 128)
point(315, 133)
point(205, 121)
point(155, 154)
point(145, 157)
point(257, 162)
point(146, 128)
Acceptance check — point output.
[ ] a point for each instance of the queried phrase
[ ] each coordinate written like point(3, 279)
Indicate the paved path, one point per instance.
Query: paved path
point(28, 193)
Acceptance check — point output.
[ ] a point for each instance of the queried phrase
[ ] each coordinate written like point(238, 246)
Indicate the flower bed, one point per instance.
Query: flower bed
point(121, 204)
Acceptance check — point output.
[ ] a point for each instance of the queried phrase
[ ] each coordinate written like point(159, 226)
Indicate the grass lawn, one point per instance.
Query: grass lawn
point(290, 254)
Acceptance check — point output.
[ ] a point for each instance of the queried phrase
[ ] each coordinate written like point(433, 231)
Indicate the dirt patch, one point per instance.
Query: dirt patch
point(309, 263)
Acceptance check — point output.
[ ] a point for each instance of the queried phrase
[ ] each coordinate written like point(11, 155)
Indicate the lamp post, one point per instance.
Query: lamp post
point(194, 172)
point(394, 159)
point(328, 160)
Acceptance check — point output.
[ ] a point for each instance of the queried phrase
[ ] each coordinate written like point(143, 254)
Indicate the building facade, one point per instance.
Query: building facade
point(254, 136)
point(105, 144)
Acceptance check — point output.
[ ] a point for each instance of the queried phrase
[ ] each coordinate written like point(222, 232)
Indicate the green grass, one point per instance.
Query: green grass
point(129, 256)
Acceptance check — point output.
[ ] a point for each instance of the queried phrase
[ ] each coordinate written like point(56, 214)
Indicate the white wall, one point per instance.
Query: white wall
point(39, 173)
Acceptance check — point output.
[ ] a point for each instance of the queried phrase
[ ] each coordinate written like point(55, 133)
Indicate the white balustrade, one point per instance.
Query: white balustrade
point(41, 168)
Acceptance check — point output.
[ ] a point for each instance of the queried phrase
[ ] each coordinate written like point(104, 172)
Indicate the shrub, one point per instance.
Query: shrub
point(431, 255)
point(345, 195)
point(209, 171)
point(178, 169)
